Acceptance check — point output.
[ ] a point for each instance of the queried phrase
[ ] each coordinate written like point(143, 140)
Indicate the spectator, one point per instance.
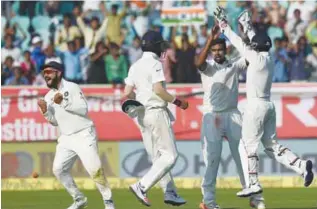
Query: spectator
point(295, 27)
point(28, 66)
point(185, 30)
point(261, 23)
point(17, 78)
point(92, 34)
point(311, 32)
point(114, 24)
point(276, 13)
point(135, 52)
point(96, 70)
point(185, 71)
point(202, 38)
point(6, 69)
point(281, 61)
point(298, 55)
point(66, 33)
point(83, 54)
point(9, 49)
point(72, 64)
point(311, 61)
point(17, 41)
point(169, 61)
point(305, 8)
point(116, 66)
point(50, 52)
point(37, 53)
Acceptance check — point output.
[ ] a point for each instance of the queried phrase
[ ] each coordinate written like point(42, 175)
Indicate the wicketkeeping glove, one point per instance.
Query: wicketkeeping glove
point(132, 107)
point(244, 20)
point(221, 17)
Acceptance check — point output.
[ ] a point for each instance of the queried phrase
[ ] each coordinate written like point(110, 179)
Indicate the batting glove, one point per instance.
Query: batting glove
point(221, 17)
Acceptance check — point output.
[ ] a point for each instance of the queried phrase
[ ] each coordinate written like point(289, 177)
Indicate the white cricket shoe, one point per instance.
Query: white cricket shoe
point(172, 198)
point(308, 174)
point(109, 204)
point(258, 204)
point(137, 191)
point(252, 190)
point(79, 203)
point(204, 206)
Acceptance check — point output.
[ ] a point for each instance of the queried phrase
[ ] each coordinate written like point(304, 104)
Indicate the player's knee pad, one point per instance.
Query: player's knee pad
point(281, 154)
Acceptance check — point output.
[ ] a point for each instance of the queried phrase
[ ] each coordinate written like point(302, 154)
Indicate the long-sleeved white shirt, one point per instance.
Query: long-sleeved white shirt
point(260, 69)
point(220, 84)
point(71, 115)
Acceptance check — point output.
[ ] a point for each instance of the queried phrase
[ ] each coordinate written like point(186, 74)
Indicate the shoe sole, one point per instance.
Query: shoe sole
point(140, 199)
point(310, 175)
point(253, 193)
point(169, 202)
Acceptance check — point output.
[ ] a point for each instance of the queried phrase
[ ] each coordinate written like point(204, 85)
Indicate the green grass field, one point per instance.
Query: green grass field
point(299, 198)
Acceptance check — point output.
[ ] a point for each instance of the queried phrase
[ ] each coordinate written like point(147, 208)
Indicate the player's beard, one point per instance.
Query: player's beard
point(219, 59)
point(52, 83)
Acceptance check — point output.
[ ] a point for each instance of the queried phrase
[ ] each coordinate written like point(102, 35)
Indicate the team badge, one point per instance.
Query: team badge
point(66, 94)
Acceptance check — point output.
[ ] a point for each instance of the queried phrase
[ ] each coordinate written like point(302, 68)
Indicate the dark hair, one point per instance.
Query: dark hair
point(113, 45)
point(278, 39)
point(94, 18)
point(115, 6)
point(67, 15)
point(219, 41)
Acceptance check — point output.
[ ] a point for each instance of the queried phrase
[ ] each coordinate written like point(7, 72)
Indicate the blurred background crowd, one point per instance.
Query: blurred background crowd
point(97, 41)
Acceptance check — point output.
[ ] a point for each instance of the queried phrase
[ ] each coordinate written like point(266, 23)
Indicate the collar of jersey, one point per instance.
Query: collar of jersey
point(150, 54)
point(61, 86)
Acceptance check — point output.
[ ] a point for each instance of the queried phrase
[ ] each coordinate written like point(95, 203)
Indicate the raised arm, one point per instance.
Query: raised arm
point(235, 40)
point(200, 62)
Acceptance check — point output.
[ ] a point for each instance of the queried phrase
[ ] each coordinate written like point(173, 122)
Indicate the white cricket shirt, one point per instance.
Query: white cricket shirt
point(259, 71)
point(220, 84)
point(71, 115)
point(145, 72)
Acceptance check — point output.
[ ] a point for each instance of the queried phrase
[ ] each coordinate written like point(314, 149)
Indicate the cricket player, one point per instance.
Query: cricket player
point(147, 78)
point(65, 106)
point(259, 118)
point(221, 117)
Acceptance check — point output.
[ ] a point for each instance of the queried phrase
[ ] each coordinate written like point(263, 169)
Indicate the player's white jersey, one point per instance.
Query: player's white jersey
point(71, 116)
point(259, 76)
point(220, 84)
point(260, 69)
point(142, 75)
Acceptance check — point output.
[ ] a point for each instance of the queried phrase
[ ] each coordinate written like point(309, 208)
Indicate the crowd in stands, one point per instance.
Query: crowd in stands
point(97, 41)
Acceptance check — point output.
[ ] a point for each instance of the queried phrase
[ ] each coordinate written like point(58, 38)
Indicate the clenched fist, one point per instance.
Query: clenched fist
point(184, 105)
point(42, 105)
point(58, 98)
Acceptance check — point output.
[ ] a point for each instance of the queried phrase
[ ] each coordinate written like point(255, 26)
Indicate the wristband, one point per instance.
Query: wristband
point(177, 102)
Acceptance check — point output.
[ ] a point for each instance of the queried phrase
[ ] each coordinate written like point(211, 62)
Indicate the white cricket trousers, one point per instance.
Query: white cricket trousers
point(82, 144)
point(159, 141)
point(215, 127)
point(259, 125)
